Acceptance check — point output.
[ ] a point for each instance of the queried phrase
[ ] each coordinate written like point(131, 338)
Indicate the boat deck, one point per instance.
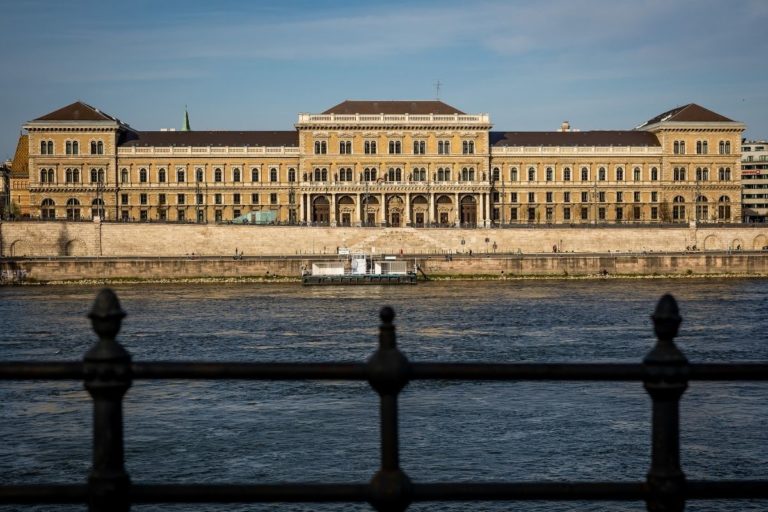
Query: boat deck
point(362, 279)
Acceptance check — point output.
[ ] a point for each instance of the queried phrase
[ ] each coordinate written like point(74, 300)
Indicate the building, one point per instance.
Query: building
point(5, 190)
point(395, 163)
point(754, 179)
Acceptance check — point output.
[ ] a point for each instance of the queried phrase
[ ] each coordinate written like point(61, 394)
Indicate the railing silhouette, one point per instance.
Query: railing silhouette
point(108, 372)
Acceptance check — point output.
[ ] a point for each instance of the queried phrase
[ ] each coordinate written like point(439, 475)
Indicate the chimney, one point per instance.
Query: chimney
point(565, 127)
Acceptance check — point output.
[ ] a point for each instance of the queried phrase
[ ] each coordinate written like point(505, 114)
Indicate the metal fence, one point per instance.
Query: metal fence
point(108, 373)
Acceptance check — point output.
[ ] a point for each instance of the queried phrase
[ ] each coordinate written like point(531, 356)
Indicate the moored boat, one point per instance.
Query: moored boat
point(359, 269)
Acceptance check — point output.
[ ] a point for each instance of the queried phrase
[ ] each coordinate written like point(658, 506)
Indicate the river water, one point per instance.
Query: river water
point(243, 432)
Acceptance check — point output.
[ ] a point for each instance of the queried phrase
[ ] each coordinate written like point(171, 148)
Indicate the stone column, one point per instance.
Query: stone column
point(301, 208)
point(383, 210)
point(332, 216)
point(407, 208)
point(358, 217)
point(457, 220)
point(431, 212)
point(487, 201)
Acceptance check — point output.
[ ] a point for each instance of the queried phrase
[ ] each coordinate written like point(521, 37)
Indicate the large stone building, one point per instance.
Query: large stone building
point(396, 163)
point(754, 176)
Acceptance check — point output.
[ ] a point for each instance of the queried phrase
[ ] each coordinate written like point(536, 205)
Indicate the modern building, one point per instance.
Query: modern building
point(395, 163)
point(754, 179)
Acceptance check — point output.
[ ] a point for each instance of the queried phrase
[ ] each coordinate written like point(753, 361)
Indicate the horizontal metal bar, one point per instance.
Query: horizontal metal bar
point(224, 493)
point(726, 489)
point(43, 493)
point(535, 491)
point(250, 371)
point(26, 370)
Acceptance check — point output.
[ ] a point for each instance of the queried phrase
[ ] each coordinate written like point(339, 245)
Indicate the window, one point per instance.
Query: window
point(443, 147)
point(345, 147)
point(254, 198)
point(678, 208)
point(142, 198)
point(395, 147)
point(180, 175)
point(419, 147)
point(254, 175)
point(46, 147)
point(124, 176)
point(654, 197)
point(495, 174)
point(724, 208)
point(321, 174)
point(702, 174)
point(584, 174)
point(513, 197)
point(566, 214)
point(48, 209)
point(636, 197)
point(73, 209)
point(654, 174)
point(619, 174)
point(654, 212)
point(395, 174)
point(345, 174)
point(142, 175)
point(218, 216)
point(619, 213)
point(725, 147)
point(636, 212)
point(584, 213)
point(217, 199)
point(549, 213)
point(531, 214)
point(678, 147)
point(531, 197)
point(637, 174)
point(468, 147)
point(217, 175)
point(369, 174)
point(273, 175)
point(321, 147)
point(566, 197)
point(273, 198)
point(443, 174)
point(496, 197)
point(97, 147)
point(236, 175)
point(161, 175)
point(123, 198)
point(549, 197)
point(724, 174)
point(585, 197)
point(94, 176)
point(72, 147)
point(601, 213)
point(678, 174)
point(161, 199)
point(601, 174)
point(370, 147)
point(72, 175)
point(513, 174)
point(468, 174)
point(235, 198)
point(701, 147)
point(180, 199)
point(182, 216)
point(619, 197)
point(550, 174)
point(513, 214)
point(567, 174)
point(601, 196)
point(292, 175)
point(531, 174)
point(419, 174)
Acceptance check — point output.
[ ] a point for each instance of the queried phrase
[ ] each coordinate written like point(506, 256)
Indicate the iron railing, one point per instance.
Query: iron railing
point(108, 373)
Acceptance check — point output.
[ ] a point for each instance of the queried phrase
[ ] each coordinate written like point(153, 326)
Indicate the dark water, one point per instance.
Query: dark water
point(245, 432)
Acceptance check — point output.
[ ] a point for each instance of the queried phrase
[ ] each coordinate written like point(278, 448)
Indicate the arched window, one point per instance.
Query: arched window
point(68, 175)
point(94, 176)
point(43, 175)
point(637, 174)
point(724, 173)
point(702, 208)
point(75, 147)
point(531, 174)
point(724, 208)
point(73, 209)
point(236, 175)
point(678, 174)
point(93, 147)
point(584, 174)
point(97, 208)
point(513, 174)
point(443, 174)
point(419, 174)
point(142, 175)
point(99, 148)
point(254, 175)
point(199, 174)
point(292, 175)
point(124, 176)
point(369, 174)
point(180, 175)
point(43, 147)
point(654, 174)
point(619, 174)
point(495, 174)
point(101, 176)
point(567, 174)
point(678, 209)
point(702, 174)
point(601, 174)
point(217, 175)
point(273, 175)
point(68, 149)
point(75, 175)
point(395, 174)
point(161, 175)
point(47, 209)
point(550, 174)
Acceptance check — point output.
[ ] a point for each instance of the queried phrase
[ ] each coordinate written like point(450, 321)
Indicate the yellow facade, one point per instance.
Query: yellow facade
point(415, 167)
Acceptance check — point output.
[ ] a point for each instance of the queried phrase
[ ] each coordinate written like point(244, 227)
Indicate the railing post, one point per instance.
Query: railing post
point(108, 376)
point(388, 374)
point(667, 379)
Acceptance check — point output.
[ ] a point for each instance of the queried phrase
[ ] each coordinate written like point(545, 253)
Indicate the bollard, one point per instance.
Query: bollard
point(107, 378)
point(388, 374)
point(666, 379)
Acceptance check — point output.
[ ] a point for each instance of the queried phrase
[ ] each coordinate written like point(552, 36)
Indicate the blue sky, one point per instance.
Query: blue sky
point(249, 65)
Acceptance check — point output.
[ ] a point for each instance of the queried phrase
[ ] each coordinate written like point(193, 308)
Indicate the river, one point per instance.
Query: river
point(215, 432)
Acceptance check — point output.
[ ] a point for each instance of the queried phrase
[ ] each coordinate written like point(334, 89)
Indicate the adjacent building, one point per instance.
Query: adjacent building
point(393, 163)
point(754, 180)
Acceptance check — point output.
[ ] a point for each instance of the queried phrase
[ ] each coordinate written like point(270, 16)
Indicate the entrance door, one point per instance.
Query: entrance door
point(444, 218)
point(371, 219)
point(395, 219)
point(321, 211)
point(469, 211)
point(346, 219)
point(419, 219)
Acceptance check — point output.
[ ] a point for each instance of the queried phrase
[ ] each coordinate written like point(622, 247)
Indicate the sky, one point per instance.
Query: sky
point(255, 65)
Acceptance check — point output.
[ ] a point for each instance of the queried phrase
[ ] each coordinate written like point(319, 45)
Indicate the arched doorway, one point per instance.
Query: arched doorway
point(370, 209)
point(395, 211)
point(468, 211)
point(346, 210)
point(444, 206)
point(321, 211)
point(420, 210)
point(73, 209)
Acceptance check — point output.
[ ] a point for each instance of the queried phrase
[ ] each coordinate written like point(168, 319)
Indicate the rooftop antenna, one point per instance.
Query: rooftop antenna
point(437, 89)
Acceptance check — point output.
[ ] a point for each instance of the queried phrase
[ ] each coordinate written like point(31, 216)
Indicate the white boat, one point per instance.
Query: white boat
point(359, 268)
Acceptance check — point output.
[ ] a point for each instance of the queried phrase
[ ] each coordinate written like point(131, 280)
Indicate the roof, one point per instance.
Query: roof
point(211, 138)
point(393, 107)
point(20, 162)
point(586, 138)
point(77, 111)
point(690, 113)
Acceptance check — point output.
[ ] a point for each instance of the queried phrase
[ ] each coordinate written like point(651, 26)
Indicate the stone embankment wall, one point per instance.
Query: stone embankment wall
point(493, 266)
point(35, 239)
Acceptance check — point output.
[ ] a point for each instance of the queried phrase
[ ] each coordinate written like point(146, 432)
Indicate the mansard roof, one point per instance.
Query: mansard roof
point(350, 107)
point(77, 111)
point(690, 113)
point(210, 138)
point(586, 138)
point(20, 162)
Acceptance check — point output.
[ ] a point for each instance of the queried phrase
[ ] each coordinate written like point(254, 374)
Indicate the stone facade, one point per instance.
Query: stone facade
point(396, 164)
